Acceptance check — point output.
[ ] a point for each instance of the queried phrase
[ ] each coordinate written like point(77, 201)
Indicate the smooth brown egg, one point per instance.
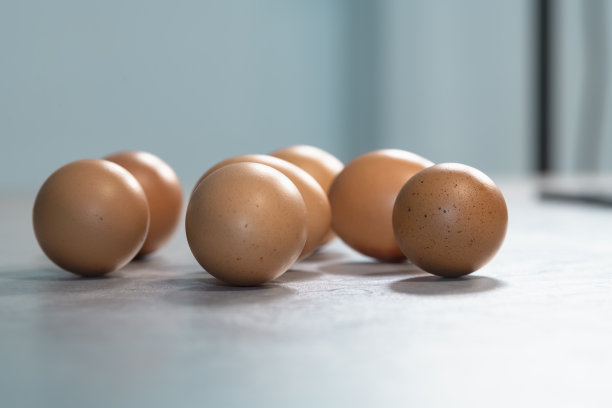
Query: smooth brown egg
point(362, 198)
point(317, 205)
point(321, 165)
point(450, 219)
point(163, 190)
point(91, 217)
point(246, 223)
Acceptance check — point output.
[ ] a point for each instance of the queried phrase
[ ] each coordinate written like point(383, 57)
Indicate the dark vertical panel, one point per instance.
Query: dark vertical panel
point(544, 120)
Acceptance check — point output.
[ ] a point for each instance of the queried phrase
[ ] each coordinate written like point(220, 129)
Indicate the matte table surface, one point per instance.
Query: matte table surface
point(532, 328)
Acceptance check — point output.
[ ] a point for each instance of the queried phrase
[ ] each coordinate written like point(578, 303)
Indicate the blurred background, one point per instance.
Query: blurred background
point(197, 81)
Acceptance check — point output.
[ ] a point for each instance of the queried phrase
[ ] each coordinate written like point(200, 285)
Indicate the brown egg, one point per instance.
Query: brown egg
point(246, 223)
point(317, 205)
point(362, 198)
point(450, 219)
point(321, 165)
point(91, 217)
point(163, 191)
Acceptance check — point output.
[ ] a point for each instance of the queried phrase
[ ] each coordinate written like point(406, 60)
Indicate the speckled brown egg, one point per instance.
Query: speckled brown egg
point(246, 223)
point(317, 205)
point(362, 198)
point(91, 217)
point(450, 219)
point(163, 190)
point(321, 165)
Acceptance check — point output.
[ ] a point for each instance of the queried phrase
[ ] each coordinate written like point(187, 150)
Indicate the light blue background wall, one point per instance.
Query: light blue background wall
point(191, 81)
point(456, 81)
point(571, 82)
point(197, 81)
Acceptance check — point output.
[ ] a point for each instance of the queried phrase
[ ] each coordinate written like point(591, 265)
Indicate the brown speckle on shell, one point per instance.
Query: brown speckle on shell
point(444, 243)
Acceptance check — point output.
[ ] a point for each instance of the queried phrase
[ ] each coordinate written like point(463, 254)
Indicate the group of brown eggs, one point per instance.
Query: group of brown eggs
point(251, 217)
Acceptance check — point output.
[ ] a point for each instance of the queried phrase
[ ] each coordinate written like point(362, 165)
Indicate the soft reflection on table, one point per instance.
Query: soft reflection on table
point(531, 328)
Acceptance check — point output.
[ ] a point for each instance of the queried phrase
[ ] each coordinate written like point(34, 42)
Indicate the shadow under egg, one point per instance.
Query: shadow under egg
point(49, 280)
point(323, 255)
point(371, 269)
point(437, 286)
point(297, 275)
point(211, 292)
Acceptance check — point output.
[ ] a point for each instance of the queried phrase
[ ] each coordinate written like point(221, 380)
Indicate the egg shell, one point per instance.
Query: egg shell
point(91, 217)
point(246, 223)
point(163, 190)
point(317, 204)
point(450, 219)
point(321, 165)
point(362, 198)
